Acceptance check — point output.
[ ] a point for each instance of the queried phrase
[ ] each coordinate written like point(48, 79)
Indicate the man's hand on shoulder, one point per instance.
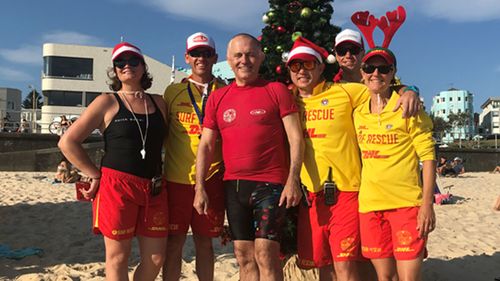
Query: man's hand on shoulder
point(409, 101)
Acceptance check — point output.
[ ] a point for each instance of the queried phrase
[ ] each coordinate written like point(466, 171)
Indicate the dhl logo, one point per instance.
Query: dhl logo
point(311, 133)
point(367, 154)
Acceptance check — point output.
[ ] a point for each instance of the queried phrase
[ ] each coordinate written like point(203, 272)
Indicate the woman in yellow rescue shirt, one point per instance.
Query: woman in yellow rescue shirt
point(396, 212)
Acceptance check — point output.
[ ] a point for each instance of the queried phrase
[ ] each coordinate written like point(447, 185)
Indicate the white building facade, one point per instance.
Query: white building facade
point(74, 75)
point(489, 119)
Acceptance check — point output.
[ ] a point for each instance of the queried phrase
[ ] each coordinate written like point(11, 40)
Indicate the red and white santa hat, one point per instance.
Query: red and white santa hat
point(304, 49)
point(199, 39)
point(125, 47)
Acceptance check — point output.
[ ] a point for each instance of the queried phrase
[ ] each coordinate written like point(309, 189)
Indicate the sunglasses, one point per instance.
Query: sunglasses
point(121, 63)
point(383, 69)
point(297, 65)
point(342, 51)
point(201, 53)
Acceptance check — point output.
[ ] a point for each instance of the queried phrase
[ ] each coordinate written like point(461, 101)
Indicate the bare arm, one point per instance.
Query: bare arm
point(291, 193)
point(496, 207)
point(71, 142)
point(426, 216)
point(408, 101)
point(204, 158)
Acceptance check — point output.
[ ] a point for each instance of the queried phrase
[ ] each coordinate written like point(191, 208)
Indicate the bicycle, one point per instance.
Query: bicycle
point(56, 128)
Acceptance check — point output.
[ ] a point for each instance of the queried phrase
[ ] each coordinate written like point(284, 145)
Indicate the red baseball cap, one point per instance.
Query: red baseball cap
point(385, 53)
point(125, 47)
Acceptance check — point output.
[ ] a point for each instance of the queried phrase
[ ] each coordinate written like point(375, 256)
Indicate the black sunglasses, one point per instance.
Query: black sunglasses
point(383, 69)
point(201, 53)
point(297, 65)
point(342, 50)
point(121, 63)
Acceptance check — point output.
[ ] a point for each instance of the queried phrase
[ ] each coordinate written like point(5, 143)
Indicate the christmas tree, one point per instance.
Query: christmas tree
point(287, 20)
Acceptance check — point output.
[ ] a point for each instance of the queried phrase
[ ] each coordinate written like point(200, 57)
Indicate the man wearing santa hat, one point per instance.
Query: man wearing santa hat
point(328, 228)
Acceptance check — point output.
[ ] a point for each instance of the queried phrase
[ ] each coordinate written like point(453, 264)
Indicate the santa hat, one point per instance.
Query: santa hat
point(306, 50)
point(199, 39)
point(125, 47)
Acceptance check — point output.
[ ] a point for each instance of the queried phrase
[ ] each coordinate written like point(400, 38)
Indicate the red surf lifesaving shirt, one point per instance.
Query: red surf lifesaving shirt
point(249, 120)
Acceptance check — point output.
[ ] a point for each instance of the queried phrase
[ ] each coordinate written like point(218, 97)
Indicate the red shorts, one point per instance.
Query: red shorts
point(328, 233)
point(124, 207)
point(391, 233)
point(183, 214)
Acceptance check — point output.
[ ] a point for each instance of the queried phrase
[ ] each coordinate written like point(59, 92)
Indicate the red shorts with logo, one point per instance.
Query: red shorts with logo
point(124, 207)
point(183, 214)
point(391, 233)
point(328, 233)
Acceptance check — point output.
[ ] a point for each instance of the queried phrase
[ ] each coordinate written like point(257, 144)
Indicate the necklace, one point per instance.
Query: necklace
point(145, 136)
point(137, 94)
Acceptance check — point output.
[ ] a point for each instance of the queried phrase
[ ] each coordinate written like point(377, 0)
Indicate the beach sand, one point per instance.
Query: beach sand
point(34, 213)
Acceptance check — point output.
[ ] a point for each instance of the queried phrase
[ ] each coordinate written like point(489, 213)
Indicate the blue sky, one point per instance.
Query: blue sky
point(443, 43)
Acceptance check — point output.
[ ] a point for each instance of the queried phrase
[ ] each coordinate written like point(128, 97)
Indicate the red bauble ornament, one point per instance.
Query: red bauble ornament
point(259, 38)
point(281, 29)
point(278, 69)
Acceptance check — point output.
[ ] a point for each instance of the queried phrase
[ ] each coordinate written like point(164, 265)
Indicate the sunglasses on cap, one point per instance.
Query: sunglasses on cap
point(297, 65)
point(383, 69)
point(121, 63)
point(201, 53)
point(342, 50)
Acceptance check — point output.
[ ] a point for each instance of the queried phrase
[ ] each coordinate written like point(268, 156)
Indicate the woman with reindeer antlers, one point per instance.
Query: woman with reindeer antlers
point(396, 212)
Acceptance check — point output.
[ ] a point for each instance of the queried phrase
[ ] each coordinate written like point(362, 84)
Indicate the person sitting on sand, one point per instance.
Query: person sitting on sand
point(441, 165)
point(458, 166)
point(66, 173)
point(496, 170)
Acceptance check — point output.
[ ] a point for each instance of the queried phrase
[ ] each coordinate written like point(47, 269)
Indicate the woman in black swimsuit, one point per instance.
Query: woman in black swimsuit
point(129, 197)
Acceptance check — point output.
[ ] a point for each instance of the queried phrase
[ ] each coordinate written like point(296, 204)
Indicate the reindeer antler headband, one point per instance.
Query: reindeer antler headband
point(389, 24)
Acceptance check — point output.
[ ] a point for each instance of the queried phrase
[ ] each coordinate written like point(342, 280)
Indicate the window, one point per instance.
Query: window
point(63, 98)
point(451, 99)
point(465, 98)
point(459, 111)
point(444, 111)
point(90, 97)
point(494, 113)
point(459, 98)
point(442, 99)
point(66, 67)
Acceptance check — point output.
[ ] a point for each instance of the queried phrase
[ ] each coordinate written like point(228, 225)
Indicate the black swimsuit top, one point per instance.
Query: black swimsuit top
point(123, 143)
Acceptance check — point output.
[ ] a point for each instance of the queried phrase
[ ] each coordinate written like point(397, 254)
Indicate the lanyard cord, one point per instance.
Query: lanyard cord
point(145, 136)
point(204, 98)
